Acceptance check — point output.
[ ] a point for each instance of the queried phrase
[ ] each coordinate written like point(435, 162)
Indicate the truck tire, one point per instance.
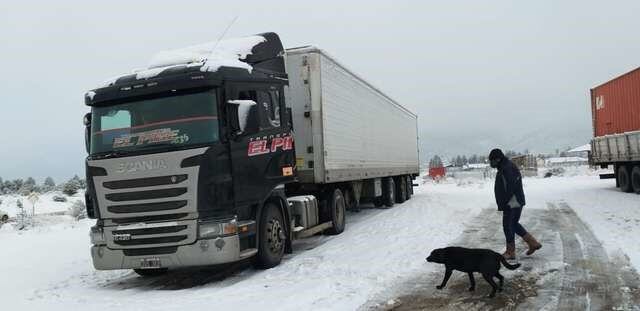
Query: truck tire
point(272, 237)
point(401, 189)
point(388, 192)
point(635, 179)
point(409, 186)
point(378, 201)
point(349, 199)
point(5, 218)
point(624, 179)
point(337, 208)
point(151, 272)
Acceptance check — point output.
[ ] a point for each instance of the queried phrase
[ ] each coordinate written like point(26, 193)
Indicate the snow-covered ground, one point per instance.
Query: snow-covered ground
point(44, 205)
point(49, 267)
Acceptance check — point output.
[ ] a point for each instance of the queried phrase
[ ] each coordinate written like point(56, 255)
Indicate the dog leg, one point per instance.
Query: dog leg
point(472, 281)
point(494, 287)
point(447, 275)
point(501, 278)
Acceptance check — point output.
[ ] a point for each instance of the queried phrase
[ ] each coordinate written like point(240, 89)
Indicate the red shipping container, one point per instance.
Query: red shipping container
point(615, 105)
point(437, 172)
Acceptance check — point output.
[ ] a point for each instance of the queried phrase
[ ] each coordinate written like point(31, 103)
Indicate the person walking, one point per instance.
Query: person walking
point(510, 200)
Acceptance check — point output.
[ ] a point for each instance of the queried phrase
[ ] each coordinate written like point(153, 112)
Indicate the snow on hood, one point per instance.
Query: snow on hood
point(210, 56)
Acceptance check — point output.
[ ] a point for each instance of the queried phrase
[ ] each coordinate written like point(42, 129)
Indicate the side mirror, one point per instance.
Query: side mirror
point(87, 131)
point(243, 117)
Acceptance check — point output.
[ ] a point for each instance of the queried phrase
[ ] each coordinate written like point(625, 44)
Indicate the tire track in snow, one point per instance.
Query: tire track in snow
point(571, 272)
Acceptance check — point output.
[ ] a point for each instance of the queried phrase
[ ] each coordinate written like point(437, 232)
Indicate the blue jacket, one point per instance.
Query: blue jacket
point(508, 183)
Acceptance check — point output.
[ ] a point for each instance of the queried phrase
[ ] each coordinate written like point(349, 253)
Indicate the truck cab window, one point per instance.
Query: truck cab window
point(115, 119)
point(268, 106)
point(269, 109)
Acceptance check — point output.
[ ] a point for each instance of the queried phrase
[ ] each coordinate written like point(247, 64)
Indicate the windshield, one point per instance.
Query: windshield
point(177, 120)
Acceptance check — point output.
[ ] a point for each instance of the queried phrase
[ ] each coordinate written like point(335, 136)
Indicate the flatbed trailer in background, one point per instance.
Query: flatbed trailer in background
point(615, 107)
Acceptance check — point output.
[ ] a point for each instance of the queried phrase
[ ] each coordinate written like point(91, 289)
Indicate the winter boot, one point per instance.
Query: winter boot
point(533, 244)
point(510, 253)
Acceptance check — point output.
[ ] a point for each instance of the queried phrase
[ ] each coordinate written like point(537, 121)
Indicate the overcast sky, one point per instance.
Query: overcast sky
point(479, 73)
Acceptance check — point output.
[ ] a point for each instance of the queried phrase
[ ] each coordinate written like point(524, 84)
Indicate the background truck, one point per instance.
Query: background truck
point(231, 150)
point(615, 107)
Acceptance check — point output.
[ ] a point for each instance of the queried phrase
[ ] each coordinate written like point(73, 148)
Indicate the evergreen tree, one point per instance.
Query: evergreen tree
point(435, 162)
point(72, 186)
point(28, 186)
point(48, 185)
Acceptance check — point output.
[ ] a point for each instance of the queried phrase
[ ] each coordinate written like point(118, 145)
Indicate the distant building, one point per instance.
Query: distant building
point(566, 161)
point(528, 164)
point(580, 152)
point(476, 166)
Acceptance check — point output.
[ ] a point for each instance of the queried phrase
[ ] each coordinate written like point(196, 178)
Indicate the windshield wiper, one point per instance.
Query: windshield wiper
point(158, 145)
point(112, 154)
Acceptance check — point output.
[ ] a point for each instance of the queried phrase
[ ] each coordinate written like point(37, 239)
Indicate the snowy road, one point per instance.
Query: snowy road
point(589, 231)
point(571, 272)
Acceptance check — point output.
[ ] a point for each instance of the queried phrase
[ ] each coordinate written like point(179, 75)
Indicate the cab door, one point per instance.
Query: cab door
point(262, 154)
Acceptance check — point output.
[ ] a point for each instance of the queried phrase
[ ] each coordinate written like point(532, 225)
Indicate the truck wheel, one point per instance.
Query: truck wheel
point(151, 272)
point(401, 189)
point(409, 187)
point(350, 199)
point(378, 201)
point(5, 218)
point(624, 179)
point(272, 237)
point(388, 192)
point(635, 179)
point(337, 208)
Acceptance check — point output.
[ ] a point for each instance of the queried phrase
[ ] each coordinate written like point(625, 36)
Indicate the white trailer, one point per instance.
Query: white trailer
point(345, 129)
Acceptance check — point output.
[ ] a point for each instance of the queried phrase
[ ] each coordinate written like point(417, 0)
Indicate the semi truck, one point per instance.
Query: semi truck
point(231, 150)
point(615, 108)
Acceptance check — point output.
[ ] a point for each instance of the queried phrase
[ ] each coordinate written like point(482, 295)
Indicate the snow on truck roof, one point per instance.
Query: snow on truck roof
point(208, 56)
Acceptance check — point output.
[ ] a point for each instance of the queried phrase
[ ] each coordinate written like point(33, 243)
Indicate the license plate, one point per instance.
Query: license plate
point(150, 263)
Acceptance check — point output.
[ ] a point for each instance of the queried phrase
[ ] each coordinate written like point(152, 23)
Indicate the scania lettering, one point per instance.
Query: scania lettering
point(232, 150)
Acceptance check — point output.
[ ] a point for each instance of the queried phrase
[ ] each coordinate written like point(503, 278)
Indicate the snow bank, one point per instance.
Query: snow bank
point(45, 204)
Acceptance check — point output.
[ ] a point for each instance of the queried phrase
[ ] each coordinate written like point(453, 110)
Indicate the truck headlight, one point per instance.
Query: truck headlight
point(97, 236)
point(213, 229)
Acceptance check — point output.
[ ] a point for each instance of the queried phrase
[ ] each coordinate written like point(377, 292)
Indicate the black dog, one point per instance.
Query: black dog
point(470, 260)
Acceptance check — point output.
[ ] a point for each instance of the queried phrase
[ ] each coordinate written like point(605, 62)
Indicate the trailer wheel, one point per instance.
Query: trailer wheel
point(378, 201)
point(388, 192)
point(5, 218)
point(624, 179)
point(401, 189)
point(350, 199)
point(272, 237)
point(151, 272)
point(337, 207)
point(635, 179)
point(409, 186)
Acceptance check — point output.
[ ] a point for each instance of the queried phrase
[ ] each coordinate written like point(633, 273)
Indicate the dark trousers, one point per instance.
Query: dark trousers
point(511, 224)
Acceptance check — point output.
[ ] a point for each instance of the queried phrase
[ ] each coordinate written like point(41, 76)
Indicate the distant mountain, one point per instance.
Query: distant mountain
point(541, 140)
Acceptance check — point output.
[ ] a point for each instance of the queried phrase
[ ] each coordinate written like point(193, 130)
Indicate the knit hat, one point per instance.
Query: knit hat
point(496, 154)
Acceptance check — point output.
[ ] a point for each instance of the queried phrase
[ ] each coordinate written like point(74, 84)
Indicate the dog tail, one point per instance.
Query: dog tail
point(507, 264)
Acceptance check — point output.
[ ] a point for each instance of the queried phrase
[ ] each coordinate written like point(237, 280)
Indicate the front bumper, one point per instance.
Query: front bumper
point(201, 253)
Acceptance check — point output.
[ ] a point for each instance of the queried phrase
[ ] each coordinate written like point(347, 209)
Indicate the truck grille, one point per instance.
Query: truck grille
point(151, 235)
point(146, 195)
point(148, 207)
